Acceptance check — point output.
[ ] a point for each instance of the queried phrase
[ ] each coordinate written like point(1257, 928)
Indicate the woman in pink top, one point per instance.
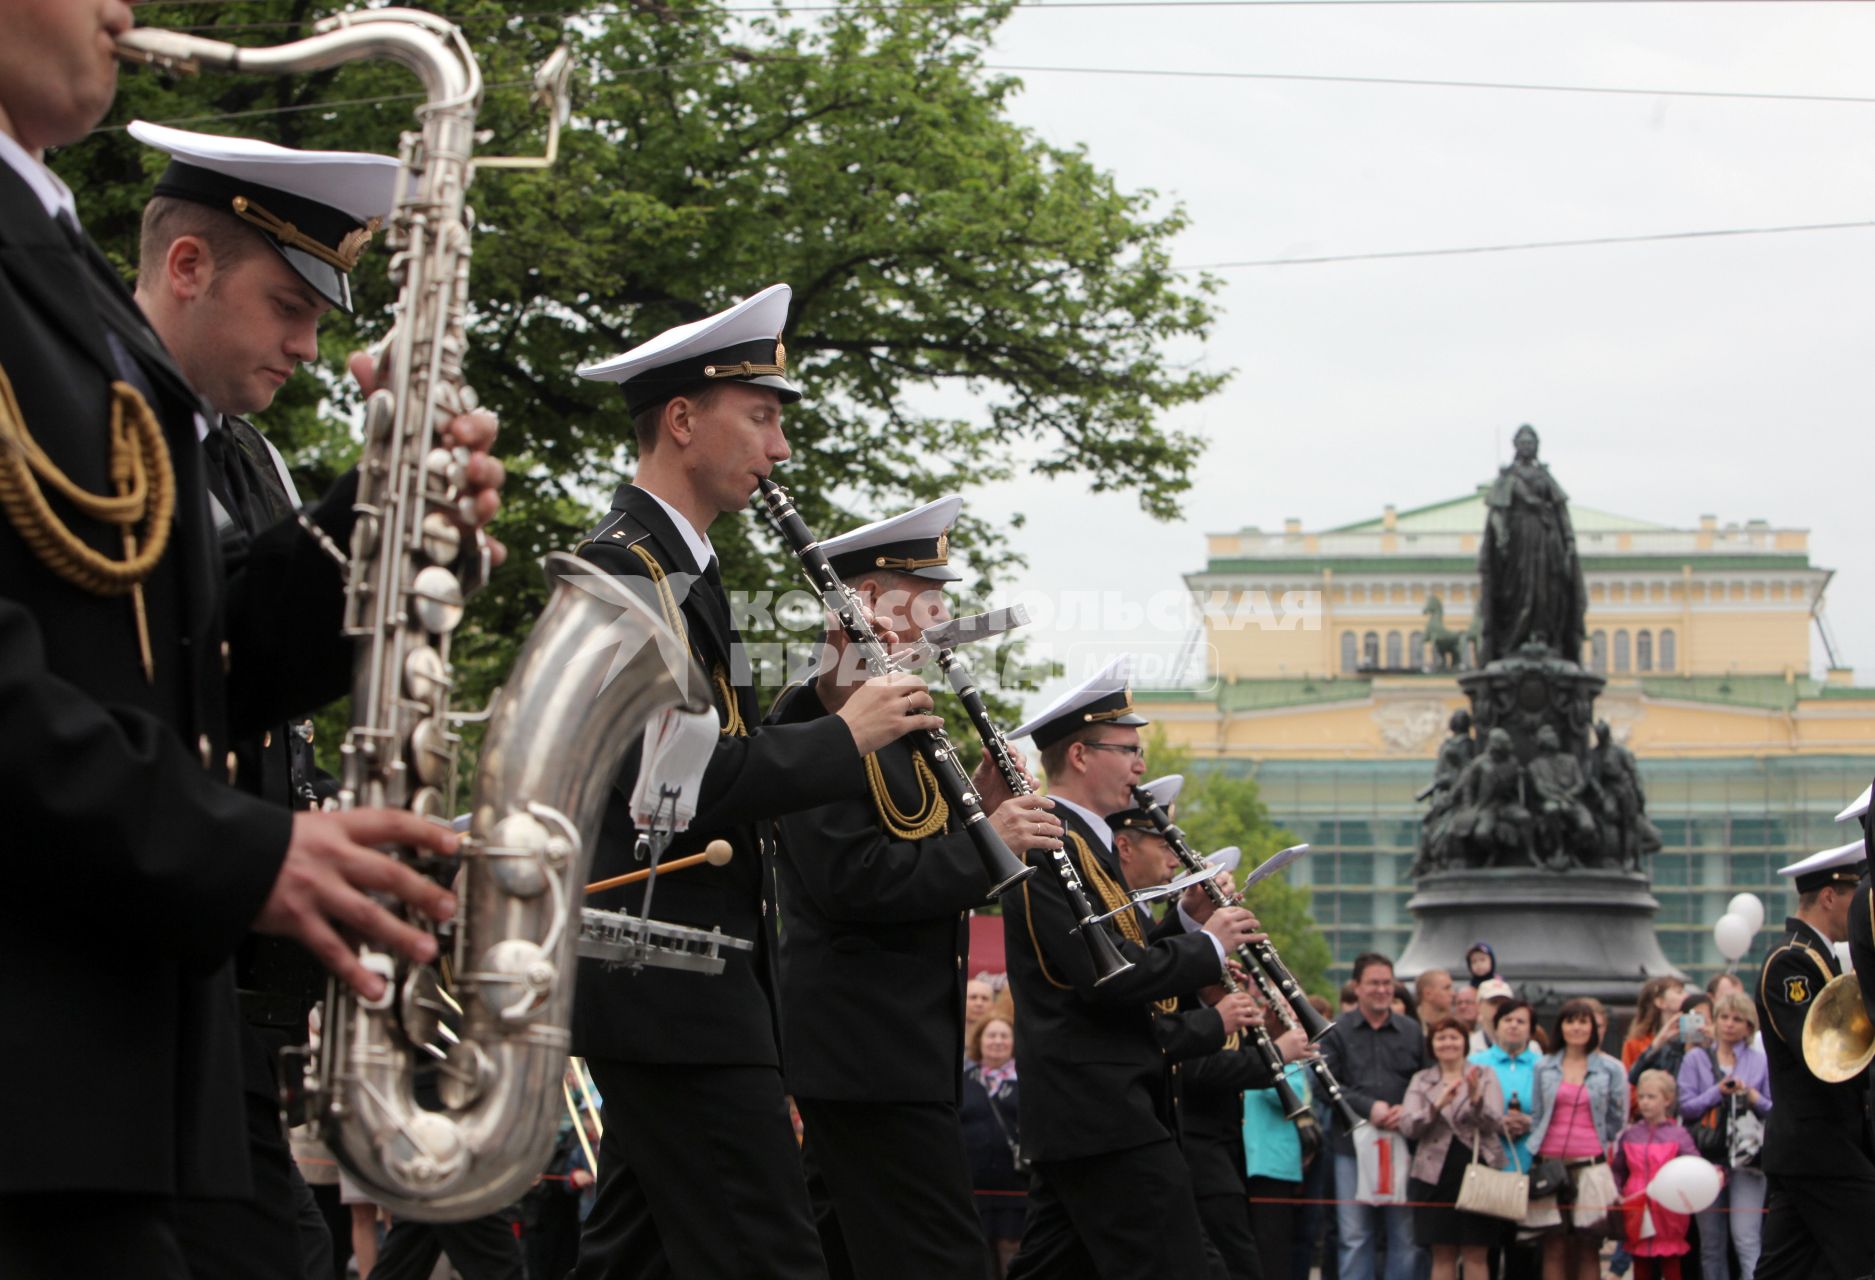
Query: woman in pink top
point(1581, 1104)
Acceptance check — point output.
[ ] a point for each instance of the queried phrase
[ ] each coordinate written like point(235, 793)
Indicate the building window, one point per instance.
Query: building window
point(1370, 649)
point(1644, 651)
point(1349, 656)
point(1667, 656)
point(1598, 652)
point(1395, 657)
point(1416, 651)
point(1621, 653)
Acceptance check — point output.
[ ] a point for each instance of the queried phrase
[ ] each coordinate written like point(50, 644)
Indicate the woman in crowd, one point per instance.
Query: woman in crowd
point(988, 1112)
point(1686, 1031)
point(1277, 1154)
point(1653, 1018)
point(1449, 1107)
point(1513, 1056)
point(1581, 1106)
point(979, 995)
point(1727, 1086)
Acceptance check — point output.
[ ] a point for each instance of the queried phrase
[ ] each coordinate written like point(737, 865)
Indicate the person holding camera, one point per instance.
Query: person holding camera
point(1689, 1030)
point(1725, 1093)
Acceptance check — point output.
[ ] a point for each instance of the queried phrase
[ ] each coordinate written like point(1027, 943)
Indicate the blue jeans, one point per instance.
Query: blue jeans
point(1360, 1226)
point(1743, 1227)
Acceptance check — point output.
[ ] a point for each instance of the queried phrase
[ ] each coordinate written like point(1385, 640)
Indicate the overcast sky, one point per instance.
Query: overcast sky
point(1729, 376)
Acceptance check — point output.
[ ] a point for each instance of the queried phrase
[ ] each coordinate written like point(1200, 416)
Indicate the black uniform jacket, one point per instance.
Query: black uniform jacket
point(875, 941)
point(670, 1015)
point(1210, 1106)
point(1815, 1129)
point(1093, 1071)
point(1862, 942)
point(134, 868)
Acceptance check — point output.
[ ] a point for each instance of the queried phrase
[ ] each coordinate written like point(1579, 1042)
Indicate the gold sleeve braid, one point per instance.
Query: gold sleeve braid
point(1113, 895)
point(733, 723)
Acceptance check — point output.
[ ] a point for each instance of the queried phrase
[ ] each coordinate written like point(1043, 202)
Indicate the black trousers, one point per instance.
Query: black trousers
point(1819, 1228)
point(1274, 1224)
point(483, 1248)
point(59, 1235)
point(1227, 1225)
point(279, 1234)
point(1120, 1215)
point(889, 1183)
point(699, 1178)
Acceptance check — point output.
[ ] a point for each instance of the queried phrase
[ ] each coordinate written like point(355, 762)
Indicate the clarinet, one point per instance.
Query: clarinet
point(1253, 963)
point(1004, 868)
point(1101, 949)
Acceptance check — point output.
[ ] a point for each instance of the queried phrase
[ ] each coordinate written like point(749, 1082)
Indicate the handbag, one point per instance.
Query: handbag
point(1495, 1193)
point(1547, 1178)
point(1596, 1194)
point(1711, 1137)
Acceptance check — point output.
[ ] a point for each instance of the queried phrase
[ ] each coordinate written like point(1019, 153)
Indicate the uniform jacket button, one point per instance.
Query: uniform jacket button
point(232, 766)
point(227, 662)
point(266, 739)
point(206, 751)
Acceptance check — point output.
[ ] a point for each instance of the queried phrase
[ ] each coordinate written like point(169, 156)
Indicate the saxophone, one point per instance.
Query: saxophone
point(490, 1023)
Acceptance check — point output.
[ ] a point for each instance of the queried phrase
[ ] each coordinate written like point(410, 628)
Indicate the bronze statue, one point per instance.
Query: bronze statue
point(1631, 833)
point(1490, 824)
point(1564, 826)
point(1532, 579)
point(1455, 753)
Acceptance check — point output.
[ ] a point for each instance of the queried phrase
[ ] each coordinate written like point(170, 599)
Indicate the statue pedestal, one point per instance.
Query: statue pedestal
point(1585, 933)
point(1528, 690)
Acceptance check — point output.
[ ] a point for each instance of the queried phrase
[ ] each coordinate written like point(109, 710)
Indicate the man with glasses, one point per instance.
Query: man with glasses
point(1110, 1192)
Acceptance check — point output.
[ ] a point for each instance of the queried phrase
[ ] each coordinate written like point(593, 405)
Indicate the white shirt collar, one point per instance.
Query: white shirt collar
point(699, 545)
point(1094, 820)
point(52, 193)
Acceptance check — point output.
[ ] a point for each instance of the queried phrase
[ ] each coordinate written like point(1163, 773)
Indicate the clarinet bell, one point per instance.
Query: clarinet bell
point(1294, 1108)
point(1311, 1022)
point(1006, 871)
point(1101, 949)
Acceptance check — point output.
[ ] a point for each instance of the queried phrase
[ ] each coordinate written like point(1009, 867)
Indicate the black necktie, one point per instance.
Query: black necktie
point(244, 484)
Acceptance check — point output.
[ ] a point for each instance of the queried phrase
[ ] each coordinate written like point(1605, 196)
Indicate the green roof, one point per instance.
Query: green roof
point(1469, 564)
point(1258, 695)
point(1771, 692)
point(1466, 515)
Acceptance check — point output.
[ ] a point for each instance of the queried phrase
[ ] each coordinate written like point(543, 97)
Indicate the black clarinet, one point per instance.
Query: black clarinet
point(1004, 868)
point(1101, 949)
point(1254, 965)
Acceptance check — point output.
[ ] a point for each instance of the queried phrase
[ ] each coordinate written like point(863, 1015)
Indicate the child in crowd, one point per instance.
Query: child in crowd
point(1656, 1237)
point(1481, 961)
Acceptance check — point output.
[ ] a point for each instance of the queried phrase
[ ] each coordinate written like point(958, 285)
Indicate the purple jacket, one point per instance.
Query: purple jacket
point(1699, 1089)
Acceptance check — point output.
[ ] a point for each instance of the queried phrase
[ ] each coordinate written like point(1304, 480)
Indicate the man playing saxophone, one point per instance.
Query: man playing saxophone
point(689, 1064)
point(128, 666)
point(874, 890)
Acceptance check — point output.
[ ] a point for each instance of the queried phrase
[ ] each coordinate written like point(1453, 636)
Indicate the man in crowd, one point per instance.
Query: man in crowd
point(1819, 1154)
point(1373, 1052)
point(128, 667)
point(1433, 996)
point(1109, 1181)
point(876, 888)
point(689, 1063)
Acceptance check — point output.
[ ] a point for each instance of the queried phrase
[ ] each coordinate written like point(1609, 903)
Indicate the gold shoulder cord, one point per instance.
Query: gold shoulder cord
point(733, 725)
point(146, 496)
point(933, 812)
point(1113, 896)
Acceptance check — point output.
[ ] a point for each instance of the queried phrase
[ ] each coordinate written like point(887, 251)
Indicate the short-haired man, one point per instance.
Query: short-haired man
point(1819, 1154)
point(689, 1063)
point(1373, 1052)
point(875, 888)
point(1109, 1182)
point(1432, 995)
point(118, 703)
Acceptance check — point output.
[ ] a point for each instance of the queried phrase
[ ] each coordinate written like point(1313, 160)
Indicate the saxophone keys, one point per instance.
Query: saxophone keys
point(442, 540)
point(431, 752)
point(437, 598)
point(426, 678)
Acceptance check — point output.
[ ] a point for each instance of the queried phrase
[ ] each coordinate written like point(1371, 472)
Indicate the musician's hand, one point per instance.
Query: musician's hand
point(887, 636)
point(1294, 1044)
point(1196, 903)
point(324, 882)
point(1234, 927)
point(1239, 1010)
point(482, 475)
point(1025, 822)
point(992, 788)
point(886, 708)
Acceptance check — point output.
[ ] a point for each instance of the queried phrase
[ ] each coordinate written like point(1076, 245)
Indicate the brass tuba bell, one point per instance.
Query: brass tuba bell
point(1838, 1038)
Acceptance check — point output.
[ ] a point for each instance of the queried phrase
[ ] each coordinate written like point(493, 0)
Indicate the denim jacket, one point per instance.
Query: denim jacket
point(1608, 1097)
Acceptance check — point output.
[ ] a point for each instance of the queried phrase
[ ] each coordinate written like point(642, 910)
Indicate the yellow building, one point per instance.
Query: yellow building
point(1322, 685)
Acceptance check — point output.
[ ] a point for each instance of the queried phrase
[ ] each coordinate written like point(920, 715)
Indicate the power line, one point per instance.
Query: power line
point(1517, 248)
point(1435, 84)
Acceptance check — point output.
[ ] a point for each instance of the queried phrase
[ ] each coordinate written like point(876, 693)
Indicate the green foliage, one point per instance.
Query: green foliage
point(867, 159)
point(1217, 811)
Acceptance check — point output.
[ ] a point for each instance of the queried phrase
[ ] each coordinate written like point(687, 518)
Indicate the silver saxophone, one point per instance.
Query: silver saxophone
point(492, 1027)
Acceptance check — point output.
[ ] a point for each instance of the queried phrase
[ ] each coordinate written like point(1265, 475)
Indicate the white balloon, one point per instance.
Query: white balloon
point(1733, 936)
point(1686, 1184)
point(1749, 908)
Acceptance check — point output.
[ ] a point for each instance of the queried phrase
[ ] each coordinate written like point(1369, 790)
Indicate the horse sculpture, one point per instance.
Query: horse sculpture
point(1446, 647)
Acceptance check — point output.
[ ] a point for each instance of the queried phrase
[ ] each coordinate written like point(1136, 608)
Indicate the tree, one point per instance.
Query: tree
point(867, 159)
point(1217, 810)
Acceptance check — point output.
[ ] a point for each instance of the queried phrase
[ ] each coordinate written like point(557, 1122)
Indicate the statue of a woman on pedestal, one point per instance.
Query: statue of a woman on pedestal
point(1532, 580)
